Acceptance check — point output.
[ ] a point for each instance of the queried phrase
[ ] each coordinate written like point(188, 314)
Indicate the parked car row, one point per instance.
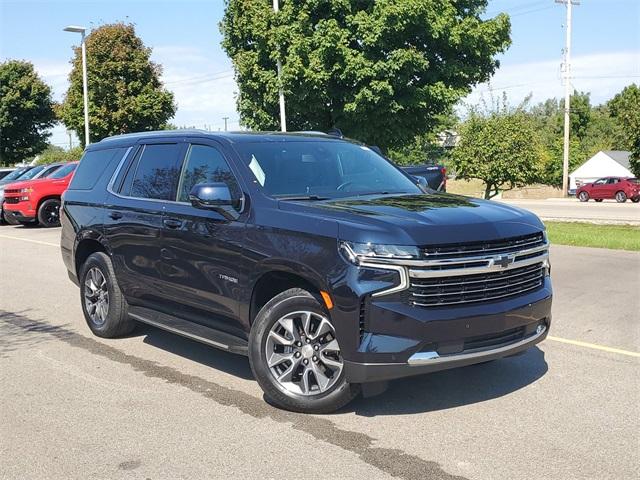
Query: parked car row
point(620, 188)
point(32, 194)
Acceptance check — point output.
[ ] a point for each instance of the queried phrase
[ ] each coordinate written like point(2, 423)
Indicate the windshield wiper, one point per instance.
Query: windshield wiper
point(302, 197)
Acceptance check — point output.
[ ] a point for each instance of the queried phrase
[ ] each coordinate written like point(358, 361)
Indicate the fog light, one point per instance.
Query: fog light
point(540, 329)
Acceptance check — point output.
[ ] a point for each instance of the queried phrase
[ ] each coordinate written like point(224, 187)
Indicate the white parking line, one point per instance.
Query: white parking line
point(30, 240)
point(594, 346)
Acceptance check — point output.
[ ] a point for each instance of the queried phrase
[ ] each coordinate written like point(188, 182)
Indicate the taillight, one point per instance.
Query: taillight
point(443, 170)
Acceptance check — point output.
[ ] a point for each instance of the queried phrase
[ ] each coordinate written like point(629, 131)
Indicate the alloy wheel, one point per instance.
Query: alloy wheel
point(51, 214)
point(96, 296)
point(303, 354)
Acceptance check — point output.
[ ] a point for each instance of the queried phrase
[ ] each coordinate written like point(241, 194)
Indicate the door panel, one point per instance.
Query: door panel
point(133, 220)
point(201, 248)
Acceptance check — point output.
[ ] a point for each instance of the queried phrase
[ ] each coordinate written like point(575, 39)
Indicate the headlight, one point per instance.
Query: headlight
point(26, 190)
point(357, 252)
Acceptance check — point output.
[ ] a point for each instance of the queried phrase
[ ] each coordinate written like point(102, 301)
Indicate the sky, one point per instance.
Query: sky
point(185, 39)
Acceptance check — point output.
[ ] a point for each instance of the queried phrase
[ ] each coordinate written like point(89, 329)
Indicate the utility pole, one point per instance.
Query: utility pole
point(225, 122)
point(283, 118)
point(567, 96)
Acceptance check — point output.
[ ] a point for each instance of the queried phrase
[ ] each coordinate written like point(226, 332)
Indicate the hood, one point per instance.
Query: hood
point(421, 219)
point(24, 183)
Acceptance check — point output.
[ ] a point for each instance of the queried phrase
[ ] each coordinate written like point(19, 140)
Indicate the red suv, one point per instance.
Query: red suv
point(38, 201)
point(610, 187)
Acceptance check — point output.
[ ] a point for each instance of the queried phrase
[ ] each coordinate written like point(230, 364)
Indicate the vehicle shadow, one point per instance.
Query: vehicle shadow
point(230, 363)
point(454, 388)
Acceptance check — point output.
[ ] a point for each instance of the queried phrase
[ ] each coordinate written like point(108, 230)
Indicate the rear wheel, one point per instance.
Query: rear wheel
point(49, 213)
point(295, 355)
point(621, 197)
point(103, 305)
point(635, 199)
point(583, 196)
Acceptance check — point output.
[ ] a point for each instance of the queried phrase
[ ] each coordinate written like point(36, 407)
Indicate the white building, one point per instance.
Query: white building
point(609, 163)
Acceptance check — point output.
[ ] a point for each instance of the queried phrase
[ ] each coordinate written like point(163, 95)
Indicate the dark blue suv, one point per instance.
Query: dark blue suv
point(313, 255)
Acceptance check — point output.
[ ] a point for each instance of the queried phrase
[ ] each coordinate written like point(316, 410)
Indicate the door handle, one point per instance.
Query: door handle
point(115, 215)
point(172, 223)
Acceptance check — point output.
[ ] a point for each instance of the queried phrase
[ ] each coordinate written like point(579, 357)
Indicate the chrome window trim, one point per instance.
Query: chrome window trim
point(156, 200)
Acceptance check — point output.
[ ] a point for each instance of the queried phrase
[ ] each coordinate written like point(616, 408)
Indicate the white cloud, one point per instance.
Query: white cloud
point(601, 74)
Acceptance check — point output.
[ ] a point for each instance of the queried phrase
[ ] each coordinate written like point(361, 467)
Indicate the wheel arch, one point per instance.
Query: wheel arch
point(86, 244)
point(272, 282)
point(45, 198)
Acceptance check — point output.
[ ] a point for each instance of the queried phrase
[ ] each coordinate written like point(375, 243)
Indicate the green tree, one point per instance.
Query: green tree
point(125, 92)
point(625, 107)
point(381, 71)
point(424, 147)
point(501, 147)
point(55, 154)
point(26, 112)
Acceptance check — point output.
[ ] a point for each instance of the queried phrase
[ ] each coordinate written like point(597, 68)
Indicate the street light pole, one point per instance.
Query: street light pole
point(85, 94)
point(283, 118)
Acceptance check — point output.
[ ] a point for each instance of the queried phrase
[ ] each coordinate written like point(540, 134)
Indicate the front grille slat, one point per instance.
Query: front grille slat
point(477, 290)
point(434, 288)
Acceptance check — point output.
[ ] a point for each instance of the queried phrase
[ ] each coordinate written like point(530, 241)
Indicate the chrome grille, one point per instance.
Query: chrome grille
point(460, 289)
point(478, 272)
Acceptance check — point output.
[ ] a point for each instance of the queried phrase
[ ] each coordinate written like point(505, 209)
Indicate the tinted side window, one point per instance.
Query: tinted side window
point(205, 164)
point(92, 166)
point(156, 173)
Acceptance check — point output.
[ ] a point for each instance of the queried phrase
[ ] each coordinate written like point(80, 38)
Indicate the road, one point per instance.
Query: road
point(154, 405)
point(607, 211)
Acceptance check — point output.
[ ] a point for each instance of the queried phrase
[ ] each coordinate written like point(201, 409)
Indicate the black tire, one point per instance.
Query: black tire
point(598, 199)
point(583, 196)
point(292, 300)
point(49, 213)
point(635, 199)
point(116, 322)
point(621, 197)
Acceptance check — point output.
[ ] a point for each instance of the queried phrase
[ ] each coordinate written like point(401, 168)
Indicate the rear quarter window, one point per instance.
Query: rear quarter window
point(92, 166)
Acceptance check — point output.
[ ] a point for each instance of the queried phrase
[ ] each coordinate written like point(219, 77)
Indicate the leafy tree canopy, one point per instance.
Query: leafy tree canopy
point(501, 147)
point(381, 71)
point(125, 92)
point(26, 112)
point(625, 107)
point(55, 154)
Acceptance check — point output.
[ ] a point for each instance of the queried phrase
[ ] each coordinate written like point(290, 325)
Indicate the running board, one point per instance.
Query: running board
point(194, 331)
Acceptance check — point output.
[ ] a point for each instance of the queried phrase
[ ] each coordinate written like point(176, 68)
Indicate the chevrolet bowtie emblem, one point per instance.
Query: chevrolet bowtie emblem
point(504, 261)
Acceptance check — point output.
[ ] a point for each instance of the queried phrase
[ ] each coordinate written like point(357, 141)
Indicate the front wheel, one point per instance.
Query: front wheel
point(295, 355)
point(621, 197)
point(583, 197)
point(635, 199)
point(49, 213)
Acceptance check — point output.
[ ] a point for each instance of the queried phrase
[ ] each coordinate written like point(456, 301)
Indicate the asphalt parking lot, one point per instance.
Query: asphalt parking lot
point(154, 405)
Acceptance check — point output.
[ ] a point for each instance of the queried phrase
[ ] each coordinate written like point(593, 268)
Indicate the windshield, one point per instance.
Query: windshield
point(16, 174)
point(63, 171)
point(32, 173)
point(633, 180)
point(322, 169)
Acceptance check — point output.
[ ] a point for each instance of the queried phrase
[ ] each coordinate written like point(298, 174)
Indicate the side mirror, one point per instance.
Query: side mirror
point(216, 197)
point(422, 182)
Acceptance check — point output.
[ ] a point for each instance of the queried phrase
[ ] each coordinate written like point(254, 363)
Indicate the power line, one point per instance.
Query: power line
point(202, 78)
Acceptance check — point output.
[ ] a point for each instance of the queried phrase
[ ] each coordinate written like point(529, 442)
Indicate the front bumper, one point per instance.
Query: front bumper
point(18, 216)
point(430, 361)
point(440, 339)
